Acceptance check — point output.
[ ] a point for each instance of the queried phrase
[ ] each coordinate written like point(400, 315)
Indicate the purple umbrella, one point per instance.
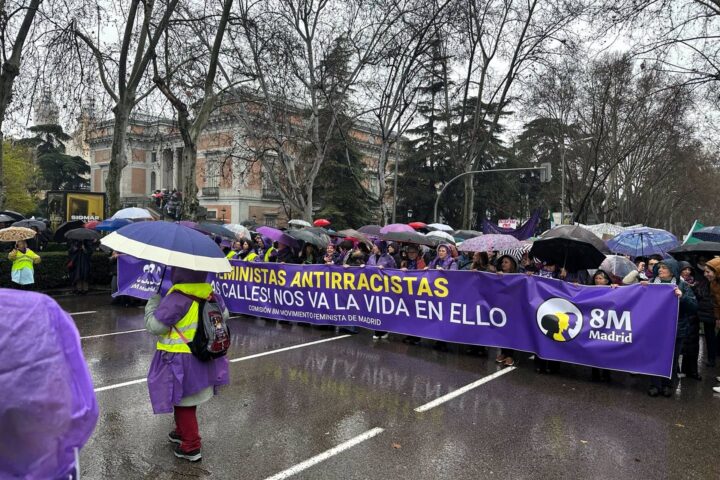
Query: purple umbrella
point(278, 236)
point(396, 228)
point(490, 243)
point(370, 230)
point(187, 223)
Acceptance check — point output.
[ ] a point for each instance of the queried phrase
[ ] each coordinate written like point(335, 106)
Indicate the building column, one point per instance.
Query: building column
point(176, 173)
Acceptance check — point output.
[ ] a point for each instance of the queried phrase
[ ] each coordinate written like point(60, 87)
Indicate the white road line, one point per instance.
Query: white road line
point(124, 384)
point(114, 333)
point(326, 454)
point(84, 313)
point(460, 391)
point(257, 355)
point(240, 359)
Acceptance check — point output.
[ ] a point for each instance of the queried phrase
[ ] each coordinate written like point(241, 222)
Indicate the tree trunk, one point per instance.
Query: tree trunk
point(118, 158)
point(468, 203)
point(190, 188)
point(2, 178)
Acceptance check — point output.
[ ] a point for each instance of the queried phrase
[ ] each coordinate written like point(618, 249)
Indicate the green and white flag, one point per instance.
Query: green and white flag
point(689, 239)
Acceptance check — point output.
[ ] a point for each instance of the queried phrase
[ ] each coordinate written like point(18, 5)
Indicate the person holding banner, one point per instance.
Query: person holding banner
point(265, 252)
point(379, 256)
point(177, 380)
point(668, 272)
point(443, 260)
point(412, 262)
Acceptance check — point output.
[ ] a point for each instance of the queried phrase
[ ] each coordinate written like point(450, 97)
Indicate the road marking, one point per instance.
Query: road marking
point(124, 384)
point(460, 391)
point(257, 355)
point(240, 359)
point(114, 333)
point(84, 313)
point(326, 454)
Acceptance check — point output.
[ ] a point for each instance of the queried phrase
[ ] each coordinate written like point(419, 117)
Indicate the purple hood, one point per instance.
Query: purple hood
point(48, 406)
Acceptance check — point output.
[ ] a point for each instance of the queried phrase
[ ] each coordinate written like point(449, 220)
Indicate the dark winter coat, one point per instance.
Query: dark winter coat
point(688, 302)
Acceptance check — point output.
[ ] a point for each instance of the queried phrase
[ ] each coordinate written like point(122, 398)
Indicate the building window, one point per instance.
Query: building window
point(212, 172)
point(153, 157)
point(271, 220)
point(211, 214)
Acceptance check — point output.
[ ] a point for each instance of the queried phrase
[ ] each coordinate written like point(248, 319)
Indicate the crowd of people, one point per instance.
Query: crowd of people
point(697, 285)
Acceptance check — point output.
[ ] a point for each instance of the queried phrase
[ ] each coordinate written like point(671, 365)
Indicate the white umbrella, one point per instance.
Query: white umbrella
point(441, 226)
point(299, 223)
point(240, 231)
point(132, 213)
point(446, 237)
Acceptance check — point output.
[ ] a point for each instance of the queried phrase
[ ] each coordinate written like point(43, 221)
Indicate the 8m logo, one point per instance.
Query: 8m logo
point(607, 325)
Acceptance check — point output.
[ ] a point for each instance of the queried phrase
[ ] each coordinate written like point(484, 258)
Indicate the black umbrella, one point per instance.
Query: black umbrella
point(465, 234)
point(6, 218)
point(411, 237)
point(692, 250)
point(82, 234)
point(216, 229)
point(370, 230)
point(571, 247)
point(66, 227)
point(31, 223)
point(308, 237)
point(15, 215)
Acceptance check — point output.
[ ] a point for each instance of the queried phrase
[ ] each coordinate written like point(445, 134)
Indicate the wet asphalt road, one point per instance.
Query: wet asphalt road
point(284, 408)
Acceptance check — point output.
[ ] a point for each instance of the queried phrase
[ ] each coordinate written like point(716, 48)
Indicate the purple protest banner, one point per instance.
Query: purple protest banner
point(140, 278)
point(629, 328)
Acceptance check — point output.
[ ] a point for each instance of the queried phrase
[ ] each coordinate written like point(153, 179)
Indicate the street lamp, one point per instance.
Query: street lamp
point(545, 176)
point(562, 168)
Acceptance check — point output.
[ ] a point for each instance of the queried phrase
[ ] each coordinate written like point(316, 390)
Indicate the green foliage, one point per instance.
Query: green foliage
point(58, 171)
point(52, 272)
point(18, 176)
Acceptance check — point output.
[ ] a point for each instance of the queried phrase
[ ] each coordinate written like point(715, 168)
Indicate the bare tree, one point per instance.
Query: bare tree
point(185, 70)
point(15, 28)
point(286, 47)
point(122, 70)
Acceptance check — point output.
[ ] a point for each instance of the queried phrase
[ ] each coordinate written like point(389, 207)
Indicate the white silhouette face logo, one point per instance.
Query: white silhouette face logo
point(559, 319)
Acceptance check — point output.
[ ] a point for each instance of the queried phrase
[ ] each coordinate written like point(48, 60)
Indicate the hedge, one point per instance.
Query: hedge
point(52, 271)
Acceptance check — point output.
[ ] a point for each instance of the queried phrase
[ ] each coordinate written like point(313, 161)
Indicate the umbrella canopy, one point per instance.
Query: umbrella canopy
point(604, 229)
point(14, 215)
point(417, 225)
point(82, 234)
point(6, 218)
point(396, 227)
point(490, 243)
point(307, 236)
point(13, 234)
point(321, 222)
point(709, 234)
point(299, 223)
point(215, 229)
point(278, 236)
point(411, 237)
point(133, 213)
point(570, 246)
point(370, 230)
point(91, 225)
point(59, 235)
point(112, 225)
point(240, 231)
point(617, 265)
point(440, 226)
point(188, 224)
point(689, 250)
point(320, 232)
point(441, 236)
point(465, 234)
point(29, 223)
point(517, 253)
point(349, 232)
point(642, 241)
point(169, 244)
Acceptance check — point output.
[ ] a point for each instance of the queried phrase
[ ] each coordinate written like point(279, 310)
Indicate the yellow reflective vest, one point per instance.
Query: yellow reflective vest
point(171, 341)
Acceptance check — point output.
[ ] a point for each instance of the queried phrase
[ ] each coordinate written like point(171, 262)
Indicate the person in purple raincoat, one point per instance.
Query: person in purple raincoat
point(48, 408)
point(379, 256)
point(443, 260)
point(178, 382)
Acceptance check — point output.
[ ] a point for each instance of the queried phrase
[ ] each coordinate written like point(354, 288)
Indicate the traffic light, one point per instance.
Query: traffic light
point(546, 172)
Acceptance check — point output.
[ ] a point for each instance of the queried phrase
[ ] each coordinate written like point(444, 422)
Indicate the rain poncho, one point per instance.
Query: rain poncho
point(47, 404)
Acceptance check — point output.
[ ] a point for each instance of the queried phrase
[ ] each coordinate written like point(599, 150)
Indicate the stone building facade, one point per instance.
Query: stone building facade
point(230, 190)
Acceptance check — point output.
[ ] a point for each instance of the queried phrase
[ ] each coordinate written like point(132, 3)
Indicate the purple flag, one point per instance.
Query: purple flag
point(141, 278)
point(523, 232)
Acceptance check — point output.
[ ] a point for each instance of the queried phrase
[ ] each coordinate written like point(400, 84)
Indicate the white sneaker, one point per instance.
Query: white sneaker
point(681, 375)
point(716, 389)
point(717, 379)
point(385, 337)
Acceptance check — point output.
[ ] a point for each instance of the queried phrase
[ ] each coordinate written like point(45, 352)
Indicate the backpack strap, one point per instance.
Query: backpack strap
point(201, 304)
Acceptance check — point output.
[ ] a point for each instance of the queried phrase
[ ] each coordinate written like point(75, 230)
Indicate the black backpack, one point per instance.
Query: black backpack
point(212, 336)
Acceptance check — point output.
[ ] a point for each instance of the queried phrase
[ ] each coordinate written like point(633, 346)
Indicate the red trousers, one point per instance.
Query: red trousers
point(187, 427)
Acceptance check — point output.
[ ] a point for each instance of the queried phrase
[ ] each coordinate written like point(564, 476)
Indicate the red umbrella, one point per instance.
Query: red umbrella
point(91, 224)
point(417, 225)
point(321, 222)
